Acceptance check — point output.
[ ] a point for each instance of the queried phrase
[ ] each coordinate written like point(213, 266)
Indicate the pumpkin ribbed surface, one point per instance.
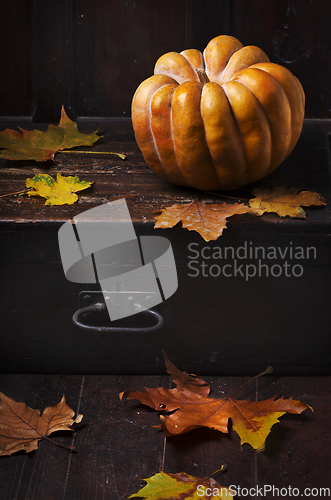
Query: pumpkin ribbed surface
point(217, 120)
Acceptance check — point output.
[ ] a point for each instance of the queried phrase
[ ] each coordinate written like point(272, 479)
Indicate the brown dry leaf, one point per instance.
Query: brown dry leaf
point(42, 146)
point(284, 201)
point(189, 407)
point(208, 220)
point(186, 381)
point(21, 428)
point(182, 486)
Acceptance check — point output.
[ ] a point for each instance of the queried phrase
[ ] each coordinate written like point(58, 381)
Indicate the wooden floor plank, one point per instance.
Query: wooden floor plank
point(41, 474)
point(117, 446)
point(298, 448)
point(203, 451)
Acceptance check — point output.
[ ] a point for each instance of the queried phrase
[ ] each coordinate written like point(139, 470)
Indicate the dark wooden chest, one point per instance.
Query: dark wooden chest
point(259, 295)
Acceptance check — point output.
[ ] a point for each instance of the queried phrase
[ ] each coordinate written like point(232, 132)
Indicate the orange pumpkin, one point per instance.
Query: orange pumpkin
point(217, 120)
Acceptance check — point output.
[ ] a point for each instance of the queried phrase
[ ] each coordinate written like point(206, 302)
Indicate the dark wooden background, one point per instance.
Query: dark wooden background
point(91, 55)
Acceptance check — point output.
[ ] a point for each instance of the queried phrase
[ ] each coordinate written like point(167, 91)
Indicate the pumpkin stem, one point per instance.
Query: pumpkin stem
point(202, 76)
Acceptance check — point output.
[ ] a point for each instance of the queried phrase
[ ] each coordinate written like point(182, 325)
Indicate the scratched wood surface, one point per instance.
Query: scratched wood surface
point(117, 447)
point(146, 194)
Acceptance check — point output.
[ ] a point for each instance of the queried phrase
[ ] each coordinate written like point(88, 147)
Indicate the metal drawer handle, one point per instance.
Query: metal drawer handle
point(100, 307)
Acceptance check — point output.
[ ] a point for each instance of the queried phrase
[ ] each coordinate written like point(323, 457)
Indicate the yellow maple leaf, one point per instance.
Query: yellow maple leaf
point(284, 201)
point(182, 486)
point(60, 192)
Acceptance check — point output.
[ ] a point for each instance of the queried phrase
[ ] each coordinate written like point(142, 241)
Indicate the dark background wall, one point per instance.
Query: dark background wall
point(91, 55)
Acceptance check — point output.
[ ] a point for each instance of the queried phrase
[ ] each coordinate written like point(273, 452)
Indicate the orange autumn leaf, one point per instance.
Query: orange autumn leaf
point(182, 486)
point(208, 220)
point(21, 428)
point(284, 201)
point(188, 406)
point(42, 146)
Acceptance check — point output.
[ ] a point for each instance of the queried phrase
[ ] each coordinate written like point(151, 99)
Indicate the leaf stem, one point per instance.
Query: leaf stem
point(226, 196)
point(17, 192)
point(221, 469)
point(72, 449)
point(267, 371)
point(123, 157)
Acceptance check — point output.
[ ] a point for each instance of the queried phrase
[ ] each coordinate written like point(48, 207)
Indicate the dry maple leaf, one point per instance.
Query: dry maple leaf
point(21, 428)
point(186, 381)
point(182, 486)
point(41, 146)
point(189, 407)
point(208, 220)
point(59, 192)
point(284, 201)
point(72, 137)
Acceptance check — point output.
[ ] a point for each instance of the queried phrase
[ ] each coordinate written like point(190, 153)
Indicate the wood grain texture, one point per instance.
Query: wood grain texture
point(117, 446)
point(33, 475)
point(292, 445)
point(146, 193)
point(91, 56)
point(113, 176)
point(16, 46)
point(295, 35)
point(116, 46)
point(53, 72)
point(119, 465)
